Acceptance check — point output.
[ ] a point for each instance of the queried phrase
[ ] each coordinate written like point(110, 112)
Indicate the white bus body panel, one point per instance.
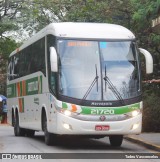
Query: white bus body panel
point(31, 117)
point(88, 127)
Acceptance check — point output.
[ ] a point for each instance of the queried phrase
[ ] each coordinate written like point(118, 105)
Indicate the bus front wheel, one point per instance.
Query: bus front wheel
point(116, 140)
point(50, 139)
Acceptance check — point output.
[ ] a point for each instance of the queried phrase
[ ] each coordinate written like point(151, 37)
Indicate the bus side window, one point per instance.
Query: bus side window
point(13, 69)
point(22, 64)
point(41, 62)
point(53, 76)
point(9, 68)
point(38, 57)
point(16, 67)
point(53, 81)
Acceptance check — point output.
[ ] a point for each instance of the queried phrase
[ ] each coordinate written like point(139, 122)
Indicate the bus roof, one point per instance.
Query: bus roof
point(82, 30)
point(91, 30)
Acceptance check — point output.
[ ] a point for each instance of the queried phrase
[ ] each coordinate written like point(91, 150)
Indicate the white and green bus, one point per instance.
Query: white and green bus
point(77, 79)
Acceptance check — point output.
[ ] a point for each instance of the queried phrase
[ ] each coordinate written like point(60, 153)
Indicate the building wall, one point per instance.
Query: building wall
point(156, 24)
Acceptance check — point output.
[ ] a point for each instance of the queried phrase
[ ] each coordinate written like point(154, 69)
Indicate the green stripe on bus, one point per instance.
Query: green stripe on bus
point(115, 110)
point(64, 105)
point(32, 86)
point(11, 91)
point(105, 110)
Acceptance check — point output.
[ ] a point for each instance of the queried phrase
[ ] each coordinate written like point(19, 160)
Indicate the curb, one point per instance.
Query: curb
point(143, 143)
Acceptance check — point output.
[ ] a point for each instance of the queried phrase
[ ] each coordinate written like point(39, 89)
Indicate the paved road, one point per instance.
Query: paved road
point(11, 144)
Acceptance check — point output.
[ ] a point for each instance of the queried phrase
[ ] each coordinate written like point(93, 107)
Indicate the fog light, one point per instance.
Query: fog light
point(67, 126)
point(135, 126)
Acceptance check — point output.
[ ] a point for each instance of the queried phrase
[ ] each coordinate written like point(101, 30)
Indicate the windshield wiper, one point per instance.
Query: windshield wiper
point(113, 88)
point(92, 84)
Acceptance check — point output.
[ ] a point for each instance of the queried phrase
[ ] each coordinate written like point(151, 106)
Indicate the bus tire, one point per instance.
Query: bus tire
point(116, 140)
point(50, 139)
point(13, 118)
point(17, 130)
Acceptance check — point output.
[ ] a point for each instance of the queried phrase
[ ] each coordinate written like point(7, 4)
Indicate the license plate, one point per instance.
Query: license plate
point(102, 127)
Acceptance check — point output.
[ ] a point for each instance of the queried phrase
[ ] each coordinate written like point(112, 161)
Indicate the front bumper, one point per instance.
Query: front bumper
point(70, 126)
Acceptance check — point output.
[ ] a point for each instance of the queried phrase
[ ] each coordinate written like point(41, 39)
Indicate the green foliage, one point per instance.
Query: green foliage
point(42, 13)
point(88, 11)
point(6, 47)
point(8, 14)
point(144, 12)
point(155, 38)
point(151, 111)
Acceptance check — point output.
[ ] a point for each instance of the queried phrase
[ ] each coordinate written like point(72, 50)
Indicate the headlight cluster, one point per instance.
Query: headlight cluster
point(66, 112)
point(134, 113)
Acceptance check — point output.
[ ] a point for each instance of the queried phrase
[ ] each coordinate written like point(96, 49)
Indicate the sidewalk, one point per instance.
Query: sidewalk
point(148, 140)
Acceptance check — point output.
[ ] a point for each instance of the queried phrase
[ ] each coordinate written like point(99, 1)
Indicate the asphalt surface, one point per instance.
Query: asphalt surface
point(70, 147)
point(148, 140)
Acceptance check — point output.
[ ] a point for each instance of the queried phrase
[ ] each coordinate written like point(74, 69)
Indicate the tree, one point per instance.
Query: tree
point(144, 12)
point(39, 13)
point(8, 13)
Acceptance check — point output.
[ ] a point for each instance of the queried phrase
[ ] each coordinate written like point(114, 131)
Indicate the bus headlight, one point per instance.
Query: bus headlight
point(134, 113)
point(67, 112)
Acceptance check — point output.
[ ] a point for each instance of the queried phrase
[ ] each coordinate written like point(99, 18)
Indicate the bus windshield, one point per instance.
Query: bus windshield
point(98, 70)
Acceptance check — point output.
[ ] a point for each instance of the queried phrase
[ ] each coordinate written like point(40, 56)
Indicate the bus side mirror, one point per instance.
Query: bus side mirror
point(53, 59)
point(149, 60)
